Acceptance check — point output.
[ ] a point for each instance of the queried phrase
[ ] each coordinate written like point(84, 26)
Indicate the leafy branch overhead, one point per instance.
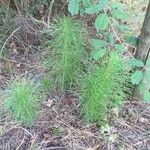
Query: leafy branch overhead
point(107, 10)
point(110, 23)
point(108, 16)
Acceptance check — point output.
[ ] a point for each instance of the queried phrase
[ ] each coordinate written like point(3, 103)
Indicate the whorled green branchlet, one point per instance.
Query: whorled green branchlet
point(21, 99)
point(65, 59)
point(103, 88)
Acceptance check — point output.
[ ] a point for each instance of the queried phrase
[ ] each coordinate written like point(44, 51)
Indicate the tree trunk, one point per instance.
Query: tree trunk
point(143, 46)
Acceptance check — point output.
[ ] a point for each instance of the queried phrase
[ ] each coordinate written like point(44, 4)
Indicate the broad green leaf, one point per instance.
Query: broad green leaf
point(147, 96)
point(86, 3)
point(119, 14)
point(104, 2)
point(101, 22)
point(110, 37)
point(117, 5)
point(97, 44)
point(94, 8)
point(136, 62)
point(73, 7)
point(97, 54)
point(120, 48)
point(132, 40)
point(148, 62)
point(147, 74)
point(137, 77)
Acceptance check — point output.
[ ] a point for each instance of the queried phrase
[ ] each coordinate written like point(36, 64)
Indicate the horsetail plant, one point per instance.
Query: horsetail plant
point(67, 55)
point(21, 100)
point(103, 88)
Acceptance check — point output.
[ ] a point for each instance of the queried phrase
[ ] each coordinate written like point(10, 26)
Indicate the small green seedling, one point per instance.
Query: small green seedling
point(46, 84)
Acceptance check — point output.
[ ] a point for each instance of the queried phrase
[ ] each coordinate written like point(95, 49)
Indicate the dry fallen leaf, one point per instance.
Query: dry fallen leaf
point(46, 135)
point(49, 103)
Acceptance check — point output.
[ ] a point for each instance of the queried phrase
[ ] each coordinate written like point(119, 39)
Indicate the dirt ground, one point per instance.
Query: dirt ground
point(59, 126)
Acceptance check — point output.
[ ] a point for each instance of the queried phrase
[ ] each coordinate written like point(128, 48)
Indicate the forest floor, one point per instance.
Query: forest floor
point(59, 125)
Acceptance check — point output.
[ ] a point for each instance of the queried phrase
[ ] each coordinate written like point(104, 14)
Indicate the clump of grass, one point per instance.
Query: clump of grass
point(21, 100)
point(104, 88)
point(46, 84)
point(65, 59)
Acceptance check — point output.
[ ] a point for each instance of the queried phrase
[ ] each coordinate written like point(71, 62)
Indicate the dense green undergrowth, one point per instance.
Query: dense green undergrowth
point(98, 73)
point(21, 99)
point(101, 83)
point(68, 52)
point(103, 88)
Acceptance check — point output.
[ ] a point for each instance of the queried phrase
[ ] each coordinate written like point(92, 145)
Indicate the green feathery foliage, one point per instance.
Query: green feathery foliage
point(21, 100)
point(46, 84)
point(104, 88)
point(65, 60)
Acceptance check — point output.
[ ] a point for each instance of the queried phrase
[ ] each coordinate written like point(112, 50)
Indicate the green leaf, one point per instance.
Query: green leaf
point(97, 54)
point(119, 14)
point(148, 62)
point(117, 5)
point(73, 7)
point(132, 40)
point(104, 2)
point(120, 48)
point(147, 96)
point(97, 44)
point(137, 77)
point(101, 22)
point(110, 37)
point(136, 62)
point(86, 3)
point(94, 8)
point(147, 74)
